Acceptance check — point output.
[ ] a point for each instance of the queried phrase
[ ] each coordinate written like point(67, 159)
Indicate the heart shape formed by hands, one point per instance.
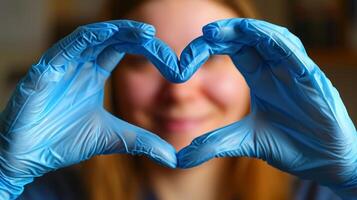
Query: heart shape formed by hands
point(297, 116)
point(297, 123)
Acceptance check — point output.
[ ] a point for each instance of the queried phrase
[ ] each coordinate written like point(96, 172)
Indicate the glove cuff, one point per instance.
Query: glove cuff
point(348, 191)
point(11, 188)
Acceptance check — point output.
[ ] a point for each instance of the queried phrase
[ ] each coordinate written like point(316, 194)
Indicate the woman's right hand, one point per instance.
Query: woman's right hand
point(56, 118)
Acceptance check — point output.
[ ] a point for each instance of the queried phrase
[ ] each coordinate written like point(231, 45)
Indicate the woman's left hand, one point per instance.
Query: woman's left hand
point(298, 122)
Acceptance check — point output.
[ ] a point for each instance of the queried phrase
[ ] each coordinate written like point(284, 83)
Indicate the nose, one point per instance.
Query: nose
point(174, 93)
point(180, 92)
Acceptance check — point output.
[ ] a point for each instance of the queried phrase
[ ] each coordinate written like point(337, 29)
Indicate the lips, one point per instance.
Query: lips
point(181, 124)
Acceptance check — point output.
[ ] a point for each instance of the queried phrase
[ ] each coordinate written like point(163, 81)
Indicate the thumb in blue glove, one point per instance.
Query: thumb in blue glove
point(56, 118)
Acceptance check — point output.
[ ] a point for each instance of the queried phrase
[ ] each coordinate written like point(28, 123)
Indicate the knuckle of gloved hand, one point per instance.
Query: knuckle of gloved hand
point(85, 36)
point(279, 48)
point(30, 81)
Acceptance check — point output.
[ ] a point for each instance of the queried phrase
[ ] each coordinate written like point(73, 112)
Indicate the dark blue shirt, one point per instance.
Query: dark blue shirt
point(65, 184)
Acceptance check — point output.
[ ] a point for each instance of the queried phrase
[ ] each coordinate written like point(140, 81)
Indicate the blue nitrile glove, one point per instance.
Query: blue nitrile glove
point(56, 118)
point(297, 122)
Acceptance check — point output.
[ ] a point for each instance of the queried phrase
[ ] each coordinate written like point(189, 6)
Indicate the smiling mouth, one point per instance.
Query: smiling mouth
point(180, 124)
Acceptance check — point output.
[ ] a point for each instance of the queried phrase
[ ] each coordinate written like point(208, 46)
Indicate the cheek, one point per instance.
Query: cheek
point(141, 89)
point(229, 91)
point(136, 92)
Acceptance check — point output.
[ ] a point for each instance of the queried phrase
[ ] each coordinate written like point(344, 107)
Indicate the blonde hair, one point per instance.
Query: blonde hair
point(118, 177)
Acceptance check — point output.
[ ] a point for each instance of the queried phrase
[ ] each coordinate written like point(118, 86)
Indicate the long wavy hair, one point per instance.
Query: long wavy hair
point(122, 176)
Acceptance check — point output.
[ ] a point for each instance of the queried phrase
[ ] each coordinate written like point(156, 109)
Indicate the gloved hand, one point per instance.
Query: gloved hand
point(297, 122)
point(56, 118)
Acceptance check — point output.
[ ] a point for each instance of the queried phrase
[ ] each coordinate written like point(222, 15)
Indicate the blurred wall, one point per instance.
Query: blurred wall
point(28, 28)
point(24, 33)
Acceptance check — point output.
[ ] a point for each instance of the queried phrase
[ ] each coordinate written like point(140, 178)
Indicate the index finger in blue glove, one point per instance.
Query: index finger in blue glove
point(159, 53)
point(273, 44)
point(59, 60)
point(73, 45)
point(54, 63)
point(226, 31)
point(250, 43)
point(262, 54)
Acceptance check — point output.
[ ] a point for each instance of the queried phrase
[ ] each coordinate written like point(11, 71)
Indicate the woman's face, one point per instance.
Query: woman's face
point(215, 96)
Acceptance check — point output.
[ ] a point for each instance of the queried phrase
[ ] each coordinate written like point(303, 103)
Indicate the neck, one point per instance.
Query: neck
point(202, 182)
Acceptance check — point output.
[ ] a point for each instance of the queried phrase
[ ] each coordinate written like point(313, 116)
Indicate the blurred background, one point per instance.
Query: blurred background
point(328, 29)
